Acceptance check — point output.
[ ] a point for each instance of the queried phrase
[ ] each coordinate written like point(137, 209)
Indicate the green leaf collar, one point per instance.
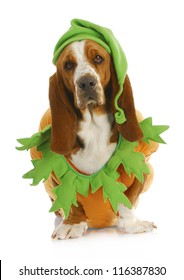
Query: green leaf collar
point(73, 182)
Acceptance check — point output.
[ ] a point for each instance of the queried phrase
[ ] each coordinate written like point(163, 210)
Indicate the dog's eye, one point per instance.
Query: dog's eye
point(98, 59)
point(68, 65)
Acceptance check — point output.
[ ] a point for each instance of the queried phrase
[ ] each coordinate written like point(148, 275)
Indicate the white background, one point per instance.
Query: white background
point(152, 36)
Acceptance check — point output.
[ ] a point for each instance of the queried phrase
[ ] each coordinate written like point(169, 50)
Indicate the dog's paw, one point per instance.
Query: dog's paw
point(66, 231)
point(135, 226)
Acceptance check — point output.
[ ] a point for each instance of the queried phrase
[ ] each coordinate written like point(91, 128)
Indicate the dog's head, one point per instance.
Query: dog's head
point(86, 75)
point(85, 69)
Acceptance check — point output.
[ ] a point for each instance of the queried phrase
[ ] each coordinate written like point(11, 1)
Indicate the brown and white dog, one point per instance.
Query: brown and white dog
point(82, 93)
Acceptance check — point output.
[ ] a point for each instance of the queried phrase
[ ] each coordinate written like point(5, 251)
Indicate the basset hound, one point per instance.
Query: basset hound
point(81, 94)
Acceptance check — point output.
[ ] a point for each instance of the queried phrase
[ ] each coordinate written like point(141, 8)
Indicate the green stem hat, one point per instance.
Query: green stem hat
point(83, 30)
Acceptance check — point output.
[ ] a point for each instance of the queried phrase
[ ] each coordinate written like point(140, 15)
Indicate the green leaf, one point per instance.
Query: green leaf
point(59, 166)
point(113, 191)
point(41, 171)
point(43, 167)
point(112, 173)
point(96, 182)
point(114, 161)
point(133, 161)
point(152, 132)
point(65, 194)
point(35, 140)
point(125, 201)
point(82, 185)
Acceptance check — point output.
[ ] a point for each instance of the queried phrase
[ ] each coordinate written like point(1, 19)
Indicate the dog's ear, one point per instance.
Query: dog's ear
point(64, 120)
point(130, 129)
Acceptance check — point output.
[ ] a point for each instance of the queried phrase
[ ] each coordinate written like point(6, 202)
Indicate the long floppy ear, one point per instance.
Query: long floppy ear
point(64, 120)
point(130, 129)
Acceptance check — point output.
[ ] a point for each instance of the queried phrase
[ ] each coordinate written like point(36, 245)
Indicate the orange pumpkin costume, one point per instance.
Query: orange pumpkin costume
point(93, 208)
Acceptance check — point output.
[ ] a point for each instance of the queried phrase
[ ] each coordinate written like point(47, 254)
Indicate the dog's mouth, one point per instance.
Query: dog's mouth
point(92, 101)
point(89, 98)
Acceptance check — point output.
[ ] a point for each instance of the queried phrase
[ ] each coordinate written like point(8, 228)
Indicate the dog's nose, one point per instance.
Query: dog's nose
point(87, 83)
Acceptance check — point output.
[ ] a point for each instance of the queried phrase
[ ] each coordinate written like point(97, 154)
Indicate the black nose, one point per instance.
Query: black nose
point(87, 83)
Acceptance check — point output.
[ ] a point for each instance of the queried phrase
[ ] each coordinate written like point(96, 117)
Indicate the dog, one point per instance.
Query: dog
point(81, 113)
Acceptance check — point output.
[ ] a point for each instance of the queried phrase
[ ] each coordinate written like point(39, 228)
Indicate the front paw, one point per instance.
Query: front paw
point(66, 231)
point(135, 225)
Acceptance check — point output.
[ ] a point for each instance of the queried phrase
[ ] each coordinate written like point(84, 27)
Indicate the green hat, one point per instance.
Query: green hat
point(82, 30)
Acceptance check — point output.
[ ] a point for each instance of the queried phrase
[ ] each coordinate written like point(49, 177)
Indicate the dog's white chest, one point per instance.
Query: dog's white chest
point(95, 132)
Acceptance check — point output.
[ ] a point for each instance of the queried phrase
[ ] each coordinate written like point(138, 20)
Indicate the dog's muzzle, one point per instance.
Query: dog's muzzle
point(89, 91)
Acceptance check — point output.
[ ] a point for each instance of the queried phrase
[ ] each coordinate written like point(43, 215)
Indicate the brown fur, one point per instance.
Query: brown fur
point(64, 119)
point(130, 129)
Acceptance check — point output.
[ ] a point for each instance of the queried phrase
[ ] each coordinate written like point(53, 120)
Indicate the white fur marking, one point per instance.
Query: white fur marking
point(83, 66)
point(66, 231)
point(130, 223)
point(95, 132)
